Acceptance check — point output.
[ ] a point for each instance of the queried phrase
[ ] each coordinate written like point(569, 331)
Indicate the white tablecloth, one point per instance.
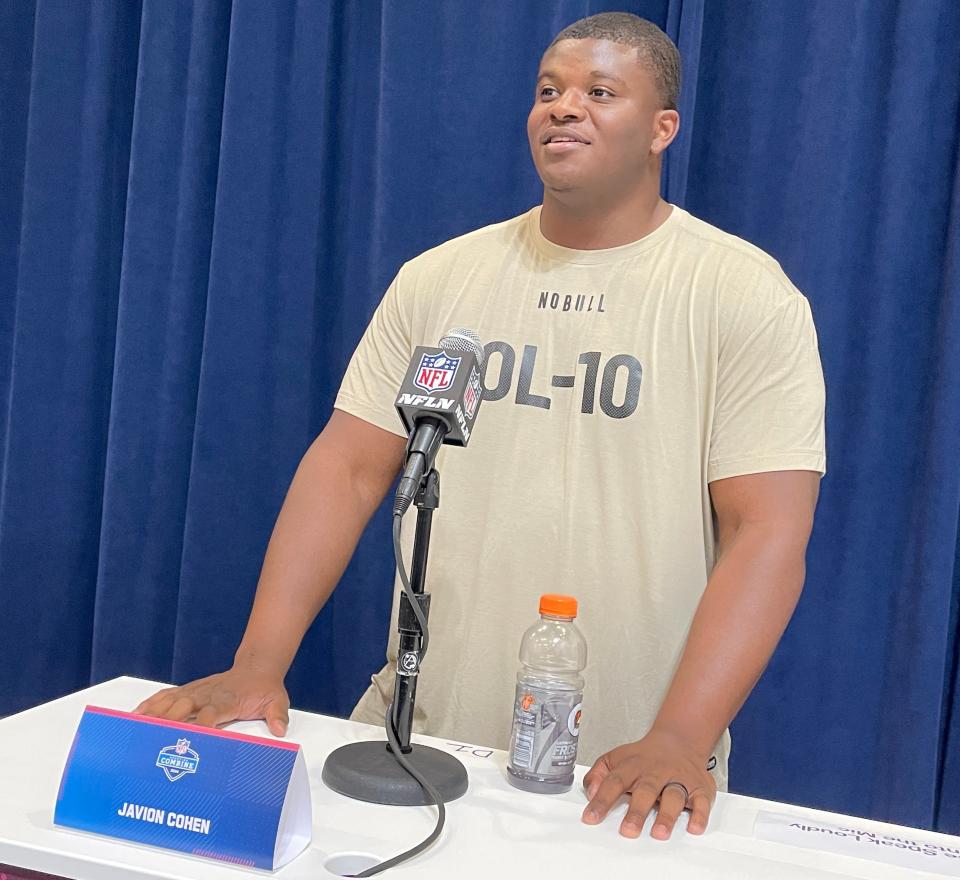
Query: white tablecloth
point(494, 830)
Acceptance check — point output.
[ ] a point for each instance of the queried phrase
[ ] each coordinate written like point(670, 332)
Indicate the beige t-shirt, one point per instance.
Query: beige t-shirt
point(618, 384)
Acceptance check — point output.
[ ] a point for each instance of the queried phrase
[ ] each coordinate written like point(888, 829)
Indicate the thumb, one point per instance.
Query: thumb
point(277, 718)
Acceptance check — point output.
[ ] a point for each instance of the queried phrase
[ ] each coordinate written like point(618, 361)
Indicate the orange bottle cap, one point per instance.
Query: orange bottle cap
point(562, 606)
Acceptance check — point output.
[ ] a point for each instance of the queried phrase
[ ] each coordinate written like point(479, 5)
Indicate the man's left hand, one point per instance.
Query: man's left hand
point(645, 770)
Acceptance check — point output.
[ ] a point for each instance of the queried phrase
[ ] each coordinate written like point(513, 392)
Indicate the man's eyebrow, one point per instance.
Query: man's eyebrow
point(603, 74)
point(594, 74)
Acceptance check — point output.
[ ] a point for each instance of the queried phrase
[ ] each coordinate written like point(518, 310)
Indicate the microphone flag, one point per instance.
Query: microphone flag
point(443, 386)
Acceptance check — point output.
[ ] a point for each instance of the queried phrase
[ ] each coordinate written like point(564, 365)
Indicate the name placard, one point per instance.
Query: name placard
point(213, 793)
point(906, 848)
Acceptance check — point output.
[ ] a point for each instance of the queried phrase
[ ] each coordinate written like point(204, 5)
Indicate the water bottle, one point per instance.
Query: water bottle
point(546, 712)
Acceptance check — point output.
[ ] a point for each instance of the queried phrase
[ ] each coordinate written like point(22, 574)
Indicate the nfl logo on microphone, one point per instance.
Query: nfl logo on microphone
point(472, 394)
point(436, 372)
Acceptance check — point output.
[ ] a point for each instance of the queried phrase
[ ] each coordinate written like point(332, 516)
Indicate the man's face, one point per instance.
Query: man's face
point(593, 120)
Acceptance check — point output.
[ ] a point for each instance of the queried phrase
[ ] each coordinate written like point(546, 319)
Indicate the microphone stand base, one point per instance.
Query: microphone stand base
point(366, 771)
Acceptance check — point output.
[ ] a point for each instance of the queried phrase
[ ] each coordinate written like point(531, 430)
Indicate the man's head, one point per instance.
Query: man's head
point(605, 106)
point(655, 50)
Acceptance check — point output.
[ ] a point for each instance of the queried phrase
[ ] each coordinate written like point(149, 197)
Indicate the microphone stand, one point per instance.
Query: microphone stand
point(367, 770)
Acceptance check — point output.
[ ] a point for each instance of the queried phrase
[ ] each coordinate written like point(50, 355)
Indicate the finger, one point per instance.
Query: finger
point(672, 804)
point(160, 706)
point(214, 714)
point(595, 775)
point(701, 804)
point(182, 708)
point(606, 795)
point(277, 718)
point(641, 803)
point(150, 704)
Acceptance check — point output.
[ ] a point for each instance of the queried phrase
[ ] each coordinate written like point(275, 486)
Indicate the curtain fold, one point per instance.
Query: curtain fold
point(78, 109)
point(202, 202)
point(160, 334)
point(808, 142)
point(945, 406)
point(684, 25)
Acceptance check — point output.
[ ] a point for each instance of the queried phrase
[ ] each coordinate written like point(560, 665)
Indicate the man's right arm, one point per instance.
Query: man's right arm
point(341, 480)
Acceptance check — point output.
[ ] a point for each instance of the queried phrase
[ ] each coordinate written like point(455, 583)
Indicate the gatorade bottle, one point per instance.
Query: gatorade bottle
point(546, 714)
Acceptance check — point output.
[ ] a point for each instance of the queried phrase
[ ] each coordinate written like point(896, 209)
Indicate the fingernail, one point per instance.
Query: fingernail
point(590, 816)
point(628, 829)
point(661, 829)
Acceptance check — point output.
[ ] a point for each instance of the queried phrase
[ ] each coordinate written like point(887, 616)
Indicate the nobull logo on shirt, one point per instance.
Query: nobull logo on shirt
point(570, 302)
point(436, 372)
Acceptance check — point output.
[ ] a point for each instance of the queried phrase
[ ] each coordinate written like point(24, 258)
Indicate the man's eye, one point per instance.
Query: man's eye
point(548, 92)
point(601, 92)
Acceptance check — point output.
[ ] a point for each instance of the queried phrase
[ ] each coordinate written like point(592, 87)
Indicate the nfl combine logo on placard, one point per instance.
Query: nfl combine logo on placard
point(436, 372)
point(178, 760)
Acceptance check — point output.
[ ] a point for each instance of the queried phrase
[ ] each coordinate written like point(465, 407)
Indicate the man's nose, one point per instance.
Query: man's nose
point(568, 106)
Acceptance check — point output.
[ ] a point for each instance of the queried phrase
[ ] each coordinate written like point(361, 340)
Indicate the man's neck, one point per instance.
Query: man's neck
point(599, 225)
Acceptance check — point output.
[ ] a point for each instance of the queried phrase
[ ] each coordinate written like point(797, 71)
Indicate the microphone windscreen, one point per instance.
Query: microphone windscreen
point(461, 339)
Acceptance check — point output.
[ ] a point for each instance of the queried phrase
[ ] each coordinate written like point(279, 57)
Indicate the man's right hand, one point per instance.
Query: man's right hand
point(341, 479)
point(239, 694)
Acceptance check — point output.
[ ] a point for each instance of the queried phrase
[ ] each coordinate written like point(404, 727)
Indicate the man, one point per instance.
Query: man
point(651, 441)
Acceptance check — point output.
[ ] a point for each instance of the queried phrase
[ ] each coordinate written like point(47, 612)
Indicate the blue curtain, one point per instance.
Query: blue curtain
point(201, 203)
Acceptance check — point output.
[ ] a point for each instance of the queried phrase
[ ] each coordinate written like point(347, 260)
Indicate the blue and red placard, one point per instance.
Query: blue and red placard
point(213, 793)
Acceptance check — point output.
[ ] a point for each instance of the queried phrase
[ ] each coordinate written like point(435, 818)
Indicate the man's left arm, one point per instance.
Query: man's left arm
point(764, 523)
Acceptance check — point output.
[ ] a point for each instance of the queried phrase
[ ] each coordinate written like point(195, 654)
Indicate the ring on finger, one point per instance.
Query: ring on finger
point(680, 785)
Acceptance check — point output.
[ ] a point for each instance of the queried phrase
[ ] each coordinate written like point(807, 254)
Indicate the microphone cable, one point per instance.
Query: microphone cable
point(458, 339)
point(392, 736)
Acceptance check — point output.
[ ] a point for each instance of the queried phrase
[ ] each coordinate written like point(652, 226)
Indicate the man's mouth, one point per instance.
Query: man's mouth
point(562, 138)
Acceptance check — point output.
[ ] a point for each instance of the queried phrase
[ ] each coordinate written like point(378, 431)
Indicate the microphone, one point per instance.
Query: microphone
point(438, 402)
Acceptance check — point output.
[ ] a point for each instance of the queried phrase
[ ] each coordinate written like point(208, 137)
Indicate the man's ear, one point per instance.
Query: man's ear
point(666, 125)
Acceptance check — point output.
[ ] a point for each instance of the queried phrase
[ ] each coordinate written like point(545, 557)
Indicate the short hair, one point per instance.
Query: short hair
point(654, 48)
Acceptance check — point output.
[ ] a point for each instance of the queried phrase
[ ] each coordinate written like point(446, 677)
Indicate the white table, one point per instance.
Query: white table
point(493, 830)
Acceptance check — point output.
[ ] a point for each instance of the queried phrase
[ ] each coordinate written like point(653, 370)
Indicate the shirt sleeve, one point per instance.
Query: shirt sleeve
point(769, 410)
point(378, 365)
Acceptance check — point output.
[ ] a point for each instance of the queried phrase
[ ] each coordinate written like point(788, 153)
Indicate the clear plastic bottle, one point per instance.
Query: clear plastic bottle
point(546, 712)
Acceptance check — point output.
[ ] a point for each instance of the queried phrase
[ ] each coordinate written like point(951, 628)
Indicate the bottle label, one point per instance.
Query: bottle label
point(546, 725)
